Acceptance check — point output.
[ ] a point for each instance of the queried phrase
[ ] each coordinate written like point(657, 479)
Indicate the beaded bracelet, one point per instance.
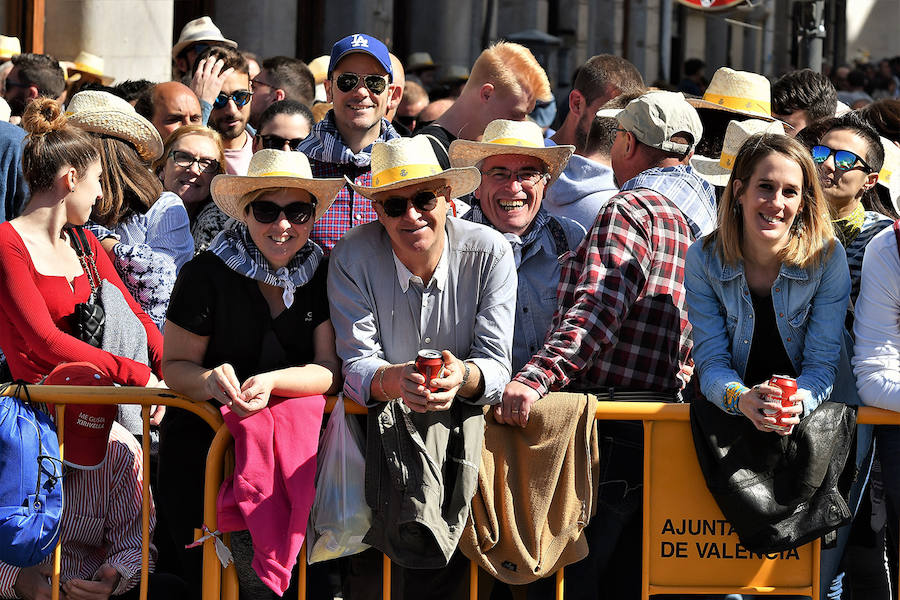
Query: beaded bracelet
point(733, 393)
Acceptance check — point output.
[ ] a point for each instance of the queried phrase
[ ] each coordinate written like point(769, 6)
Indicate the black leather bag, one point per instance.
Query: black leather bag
point(88, 320)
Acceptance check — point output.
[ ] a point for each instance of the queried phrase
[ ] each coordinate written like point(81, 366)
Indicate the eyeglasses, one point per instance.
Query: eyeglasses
point(185, 160)
point(526, 176)
point(255, 83)
point(240, 97)
point(298, 213)
point(844, 160)
point(424, 201)
point(347, 82)
point(276, 142)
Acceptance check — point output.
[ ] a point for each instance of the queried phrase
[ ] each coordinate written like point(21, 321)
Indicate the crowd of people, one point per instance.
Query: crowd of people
point(264, 233)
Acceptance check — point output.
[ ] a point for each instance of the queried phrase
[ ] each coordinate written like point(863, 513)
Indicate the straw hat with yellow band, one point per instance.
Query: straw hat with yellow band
point(403, 162)
point(272, 169)
point(89, 64)
point(9, 47)
point(739, 92)
point(889, 176)
point(511, 137)
point(718, 170)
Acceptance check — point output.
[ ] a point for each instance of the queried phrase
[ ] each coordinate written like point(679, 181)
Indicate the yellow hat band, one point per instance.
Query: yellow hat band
point(726, 161)
point(280, 174)
point(514, 142)
point(402, 173)
point(87, 69)
point(884, 176)
point(742, 104)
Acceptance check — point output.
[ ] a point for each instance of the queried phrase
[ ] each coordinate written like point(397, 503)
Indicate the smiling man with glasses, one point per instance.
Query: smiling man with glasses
point(418, 279)
point(358, 84)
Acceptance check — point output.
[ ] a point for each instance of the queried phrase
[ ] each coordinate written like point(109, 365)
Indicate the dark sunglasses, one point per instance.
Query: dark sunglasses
point(298, 213)
point(240, 97)
point(395, 206)
point(844, 160)
point(276, 142)
point(347, 82)
point(185, 160)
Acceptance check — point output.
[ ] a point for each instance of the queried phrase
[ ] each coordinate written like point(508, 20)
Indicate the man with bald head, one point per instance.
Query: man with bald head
point(395, 95)
point(174, 105)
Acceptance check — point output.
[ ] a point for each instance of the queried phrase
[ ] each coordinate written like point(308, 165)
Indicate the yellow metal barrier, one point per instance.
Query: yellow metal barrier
point(61, 395)
point(669, 566)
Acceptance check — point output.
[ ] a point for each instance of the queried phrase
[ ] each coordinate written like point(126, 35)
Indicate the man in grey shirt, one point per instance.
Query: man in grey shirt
point(418, 279)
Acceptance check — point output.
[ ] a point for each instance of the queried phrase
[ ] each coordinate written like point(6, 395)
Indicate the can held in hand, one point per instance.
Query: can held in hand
point(429, 363)
point(788, 387)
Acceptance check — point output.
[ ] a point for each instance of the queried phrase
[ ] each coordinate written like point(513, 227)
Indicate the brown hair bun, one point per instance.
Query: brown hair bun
point(43, 115)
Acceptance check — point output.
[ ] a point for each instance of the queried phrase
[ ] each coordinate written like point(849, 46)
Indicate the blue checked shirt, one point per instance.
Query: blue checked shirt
point(684, 188)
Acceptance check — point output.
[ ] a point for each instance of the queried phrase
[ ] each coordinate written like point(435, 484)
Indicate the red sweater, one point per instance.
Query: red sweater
point(34, 332)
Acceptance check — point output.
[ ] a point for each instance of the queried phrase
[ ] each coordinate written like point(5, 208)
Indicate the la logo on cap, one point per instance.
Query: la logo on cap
point(359, 41)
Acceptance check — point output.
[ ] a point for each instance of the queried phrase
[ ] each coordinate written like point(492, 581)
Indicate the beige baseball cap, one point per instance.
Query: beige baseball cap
point(656, 116)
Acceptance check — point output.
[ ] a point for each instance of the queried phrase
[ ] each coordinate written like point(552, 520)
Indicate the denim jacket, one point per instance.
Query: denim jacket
point(810, 306)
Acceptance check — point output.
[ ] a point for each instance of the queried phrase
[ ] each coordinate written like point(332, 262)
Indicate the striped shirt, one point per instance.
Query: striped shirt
point(101, 521)
point(872, 225)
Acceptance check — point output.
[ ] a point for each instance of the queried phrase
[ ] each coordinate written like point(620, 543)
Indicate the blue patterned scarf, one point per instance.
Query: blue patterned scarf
point(324, 143)
point(237, 250)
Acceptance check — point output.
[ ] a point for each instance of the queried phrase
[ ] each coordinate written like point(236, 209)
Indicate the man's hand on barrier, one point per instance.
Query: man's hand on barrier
point(209, 78)
point(100, 588)
point(448, 384)
point(516, 405)
point(222, 385)
point(33, 583)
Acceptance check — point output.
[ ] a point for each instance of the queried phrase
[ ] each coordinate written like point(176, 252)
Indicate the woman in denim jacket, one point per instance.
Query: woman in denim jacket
point(767, 292)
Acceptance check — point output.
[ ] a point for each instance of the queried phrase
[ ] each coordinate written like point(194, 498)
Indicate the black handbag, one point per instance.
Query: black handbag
point(88, 320)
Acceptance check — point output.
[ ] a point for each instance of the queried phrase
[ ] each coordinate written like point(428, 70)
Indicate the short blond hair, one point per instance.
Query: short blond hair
point(511, 68)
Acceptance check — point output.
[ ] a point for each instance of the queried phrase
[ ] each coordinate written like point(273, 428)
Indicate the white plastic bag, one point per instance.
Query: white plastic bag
point(340, 516)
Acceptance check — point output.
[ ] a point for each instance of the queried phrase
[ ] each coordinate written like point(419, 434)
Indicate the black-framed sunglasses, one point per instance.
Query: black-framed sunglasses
point(240, 97)
point(347, 82)
point(424, 201)
point(844, 160)
point(298, 213)
point(186, 160)
point(276, 142)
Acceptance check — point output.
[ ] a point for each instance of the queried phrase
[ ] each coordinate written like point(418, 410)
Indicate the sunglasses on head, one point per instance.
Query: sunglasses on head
point(347, 82)
point(298, 213)
point(424, 201)
point(844, 160)
point(240, 97)
point(276, 142)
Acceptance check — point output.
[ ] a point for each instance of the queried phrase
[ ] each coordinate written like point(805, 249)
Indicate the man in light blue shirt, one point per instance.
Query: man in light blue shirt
point(516, 170)
point(417, 279)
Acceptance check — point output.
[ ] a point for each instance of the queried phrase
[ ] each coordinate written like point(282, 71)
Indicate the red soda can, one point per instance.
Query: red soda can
point(429, 363)
point(788, 387)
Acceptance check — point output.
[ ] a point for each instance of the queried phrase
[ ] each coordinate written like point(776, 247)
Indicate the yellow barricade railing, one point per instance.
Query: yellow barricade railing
point(659, 419)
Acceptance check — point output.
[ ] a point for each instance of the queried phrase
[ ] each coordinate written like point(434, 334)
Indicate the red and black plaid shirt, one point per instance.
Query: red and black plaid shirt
point(349, 208)
point(621, 319)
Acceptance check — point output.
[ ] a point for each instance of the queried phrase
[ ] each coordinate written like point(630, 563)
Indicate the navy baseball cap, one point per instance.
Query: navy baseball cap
point(361, 42)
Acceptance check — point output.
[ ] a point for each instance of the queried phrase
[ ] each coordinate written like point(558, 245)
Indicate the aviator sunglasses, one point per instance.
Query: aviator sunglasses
point(298, 213)
point(240, 97)
point(347, 82)
point(395, 206)
point(844, 160)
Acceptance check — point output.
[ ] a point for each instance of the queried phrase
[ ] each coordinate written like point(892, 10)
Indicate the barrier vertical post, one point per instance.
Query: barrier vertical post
point(386, 578)
point(301, 575)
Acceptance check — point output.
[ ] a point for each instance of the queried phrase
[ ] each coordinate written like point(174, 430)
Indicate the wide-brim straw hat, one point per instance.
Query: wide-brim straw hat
point(9, 46)
point(740, 92)
point(319, 68)
point(404, 161)
point(511, 137)
point(272, 169)
point(420, 61)
point(889, 176)
point(104, 113)
point(718, 170)
point(91, 64)
point(200, 30)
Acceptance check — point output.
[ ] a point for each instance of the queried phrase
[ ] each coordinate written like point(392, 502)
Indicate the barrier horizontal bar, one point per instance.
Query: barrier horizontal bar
point(755, 590)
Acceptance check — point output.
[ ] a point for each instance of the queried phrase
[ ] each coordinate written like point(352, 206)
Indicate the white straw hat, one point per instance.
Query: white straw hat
point(889, 176)
point(403, 161)
point(104, 113)
point(200, 30)
point(91, 64)
point(9, 47)
point(272, 169)
point(739, 92)
point(718, 170)
point(511, 137)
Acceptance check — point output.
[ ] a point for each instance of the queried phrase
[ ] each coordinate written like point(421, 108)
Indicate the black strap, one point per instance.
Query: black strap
point(79, 242)
point(559, 237)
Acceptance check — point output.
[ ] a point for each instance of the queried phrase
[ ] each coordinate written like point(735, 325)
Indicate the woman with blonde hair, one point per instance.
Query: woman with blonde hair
point(191, 157)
